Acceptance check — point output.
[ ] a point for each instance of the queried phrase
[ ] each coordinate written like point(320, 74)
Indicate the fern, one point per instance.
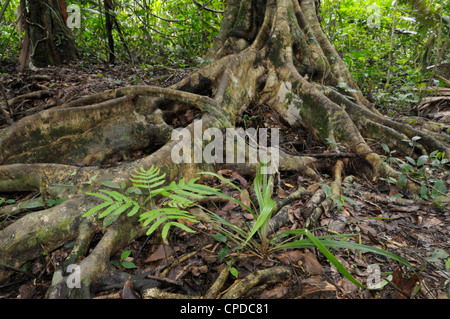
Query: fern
point(177, 196)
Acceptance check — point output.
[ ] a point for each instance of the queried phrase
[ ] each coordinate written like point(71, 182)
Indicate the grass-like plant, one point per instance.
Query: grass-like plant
point(175, 198)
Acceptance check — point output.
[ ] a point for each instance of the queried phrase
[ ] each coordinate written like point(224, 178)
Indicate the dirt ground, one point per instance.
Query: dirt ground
point(417, 232)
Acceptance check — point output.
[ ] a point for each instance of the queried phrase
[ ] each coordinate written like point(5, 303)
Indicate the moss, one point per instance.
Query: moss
point(316, 115)
point(276, 45)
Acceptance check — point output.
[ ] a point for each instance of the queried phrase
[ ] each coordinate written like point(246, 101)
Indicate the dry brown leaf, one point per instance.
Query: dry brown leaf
point(311, 189)
point(315, 284)
point(281, 193)
point(405, 284)
point(241, 179)
point(275, 293)
point(311, 265)
point(128, 291)
point(244, 199)
point(160, 253)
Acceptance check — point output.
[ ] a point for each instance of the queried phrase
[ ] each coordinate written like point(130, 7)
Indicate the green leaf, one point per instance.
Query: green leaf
point(333, 259)
point(110, 209)
point(219, 237)
point(111, 184)
point(223, 253)
point(411, 160)
point(108, 220)
point(125, 254)
point(134, 210)
point(299, 244)
point(424, 192)
point(167, 226)
point(438, 188)
point(402, 180)
point(128, 264)
point(406, 168)
point(422, 160)
point(327, 190)
point(155, 225)
point(96, 208)
point(102, 196)
point(441, 199)
point(234, 272)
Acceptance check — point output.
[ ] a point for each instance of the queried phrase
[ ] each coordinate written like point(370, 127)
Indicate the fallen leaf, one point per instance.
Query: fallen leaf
point(241, 179)
point(245, 199)
point(160, 253)
point(275, 293)
point(314, 285)
point(26, 291)
point(128, 291)
point(405, 284)
point(310, 263)
point(281, 193)
point(311, 189)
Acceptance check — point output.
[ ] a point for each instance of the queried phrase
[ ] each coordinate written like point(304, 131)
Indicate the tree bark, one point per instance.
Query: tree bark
point(51, 41)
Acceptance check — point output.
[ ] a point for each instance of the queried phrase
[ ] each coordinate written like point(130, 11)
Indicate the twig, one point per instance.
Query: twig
point(204, 6)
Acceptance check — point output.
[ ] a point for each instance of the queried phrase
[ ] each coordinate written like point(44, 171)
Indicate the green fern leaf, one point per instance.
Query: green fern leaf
point(167, 226)
point(155, 225)
point(97, 208)
point(111, 208)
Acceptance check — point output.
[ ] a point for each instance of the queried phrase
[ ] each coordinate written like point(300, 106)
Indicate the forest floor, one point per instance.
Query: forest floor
point(419, 233)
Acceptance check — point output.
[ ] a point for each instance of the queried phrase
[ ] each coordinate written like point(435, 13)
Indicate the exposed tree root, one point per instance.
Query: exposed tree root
point(267, 276)
point(268, 52)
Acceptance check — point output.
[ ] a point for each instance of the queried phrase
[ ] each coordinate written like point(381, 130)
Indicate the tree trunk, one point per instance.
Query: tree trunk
point(51, 41)
point(268, 52)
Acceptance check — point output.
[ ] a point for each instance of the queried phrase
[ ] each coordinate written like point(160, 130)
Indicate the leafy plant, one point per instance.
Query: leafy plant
point(420, 171)
point(123, 262)
point(170, 212)
point(240, 236)
point(175, 197)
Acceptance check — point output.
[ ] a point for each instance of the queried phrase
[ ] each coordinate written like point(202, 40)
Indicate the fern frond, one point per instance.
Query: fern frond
point(113, 202)
point(147, 178)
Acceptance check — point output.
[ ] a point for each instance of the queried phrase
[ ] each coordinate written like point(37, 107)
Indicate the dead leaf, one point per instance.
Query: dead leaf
point(393, 191)
point(311, 189)
point(431, 222)
point(275, 293)
point(128, 291)
point(244, 199)
point(311, 265)
point(26, 291)
point(314, 285)
point(405, 284)
point(292, 256)
point(230, 205)
point(160, 253)
point(224, 172)
point(241, 179)
point(281, 193)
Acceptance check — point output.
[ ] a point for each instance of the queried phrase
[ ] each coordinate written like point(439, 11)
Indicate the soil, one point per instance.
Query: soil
point(417, 233)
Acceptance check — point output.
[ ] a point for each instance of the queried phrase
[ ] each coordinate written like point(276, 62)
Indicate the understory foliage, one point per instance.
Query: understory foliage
point(152, 32)
point(175, 199)
point(388, 60)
